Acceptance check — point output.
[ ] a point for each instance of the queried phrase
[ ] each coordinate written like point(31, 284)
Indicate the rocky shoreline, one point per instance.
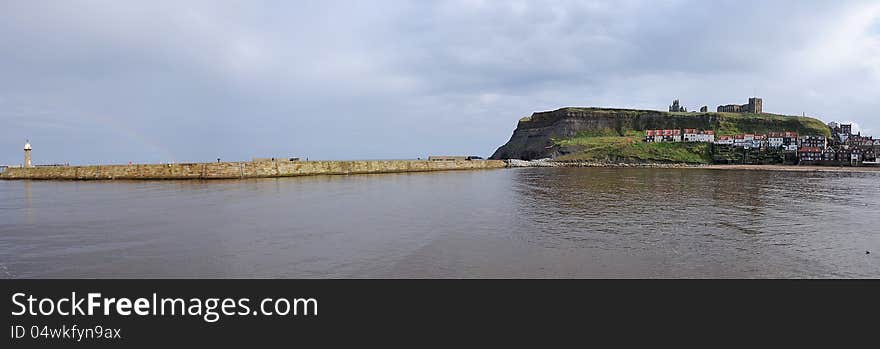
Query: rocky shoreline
point(551, 163)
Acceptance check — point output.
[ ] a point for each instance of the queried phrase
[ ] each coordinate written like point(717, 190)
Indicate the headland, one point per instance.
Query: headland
point(734, 135)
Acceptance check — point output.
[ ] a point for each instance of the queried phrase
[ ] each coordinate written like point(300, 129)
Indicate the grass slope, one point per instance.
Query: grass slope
point(611, 145)
point(737, 123)
point(727, 123)
point(632, 148)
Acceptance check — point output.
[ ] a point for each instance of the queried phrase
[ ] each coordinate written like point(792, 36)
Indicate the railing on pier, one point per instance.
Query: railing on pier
point(52, 165)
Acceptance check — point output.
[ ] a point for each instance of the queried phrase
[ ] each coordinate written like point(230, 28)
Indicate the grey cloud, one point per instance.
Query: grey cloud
point(105, 81)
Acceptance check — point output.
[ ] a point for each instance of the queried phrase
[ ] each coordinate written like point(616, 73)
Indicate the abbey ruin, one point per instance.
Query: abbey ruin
point(755, 106)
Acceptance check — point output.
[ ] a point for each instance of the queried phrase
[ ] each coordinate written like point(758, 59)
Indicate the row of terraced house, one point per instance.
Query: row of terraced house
point(843, 148)
point(852, 150)
point(687, 135)
point(787, 141)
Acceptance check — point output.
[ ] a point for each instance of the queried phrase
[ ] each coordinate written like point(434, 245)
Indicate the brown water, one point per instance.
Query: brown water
point(530, 222)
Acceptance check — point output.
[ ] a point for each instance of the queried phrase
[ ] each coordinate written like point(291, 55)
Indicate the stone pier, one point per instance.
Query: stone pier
point(233, 170)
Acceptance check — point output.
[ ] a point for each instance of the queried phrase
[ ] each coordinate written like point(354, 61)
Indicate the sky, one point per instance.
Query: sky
point(91, 82)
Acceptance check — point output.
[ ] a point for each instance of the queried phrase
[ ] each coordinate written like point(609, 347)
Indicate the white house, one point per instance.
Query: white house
point(724, 140)
point(690, 135)
point(707, 136)
point(693, 135)
point(664, 135)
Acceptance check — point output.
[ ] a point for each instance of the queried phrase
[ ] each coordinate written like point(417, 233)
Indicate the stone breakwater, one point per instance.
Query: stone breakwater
point(235, 170)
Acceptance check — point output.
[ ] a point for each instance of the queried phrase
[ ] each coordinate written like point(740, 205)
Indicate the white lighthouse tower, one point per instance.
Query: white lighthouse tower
point(27, 154)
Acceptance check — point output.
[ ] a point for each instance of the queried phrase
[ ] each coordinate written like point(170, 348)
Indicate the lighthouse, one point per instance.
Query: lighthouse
point(27, 154)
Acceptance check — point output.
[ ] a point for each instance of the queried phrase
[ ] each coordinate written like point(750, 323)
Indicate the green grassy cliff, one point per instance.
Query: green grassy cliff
point(632, 147)
point(602, 134)
point(606, 144)
point(735, 123)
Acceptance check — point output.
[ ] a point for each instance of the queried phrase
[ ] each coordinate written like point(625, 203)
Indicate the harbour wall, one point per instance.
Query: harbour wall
point(233, 170)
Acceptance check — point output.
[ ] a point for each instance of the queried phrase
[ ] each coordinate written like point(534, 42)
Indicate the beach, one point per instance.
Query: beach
point(794, 168)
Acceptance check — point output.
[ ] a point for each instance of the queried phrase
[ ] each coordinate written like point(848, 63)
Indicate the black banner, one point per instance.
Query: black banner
point(419, 312)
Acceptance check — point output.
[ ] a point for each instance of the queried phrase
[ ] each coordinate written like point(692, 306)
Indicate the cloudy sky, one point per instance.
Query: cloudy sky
point(160, 81)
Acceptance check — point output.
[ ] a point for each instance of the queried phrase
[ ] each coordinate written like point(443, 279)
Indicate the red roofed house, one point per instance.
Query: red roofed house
point(810, 154)
point(724, 140)
point(707, 136)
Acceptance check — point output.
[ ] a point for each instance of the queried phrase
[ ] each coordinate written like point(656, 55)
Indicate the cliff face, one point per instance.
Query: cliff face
point(537, 137)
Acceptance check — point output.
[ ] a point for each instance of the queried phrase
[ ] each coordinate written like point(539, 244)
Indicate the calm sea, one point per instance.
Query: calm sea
point(528, 222)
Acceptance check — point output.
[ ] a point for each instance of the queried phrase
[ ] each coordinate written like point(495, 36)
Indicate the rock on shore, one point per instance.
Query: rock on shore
point(547, 162)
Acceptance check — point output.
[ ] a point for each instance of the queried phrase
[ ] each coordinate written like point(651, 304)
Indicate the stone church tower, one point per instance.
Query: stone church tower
point(755, 106)
point(27, 154)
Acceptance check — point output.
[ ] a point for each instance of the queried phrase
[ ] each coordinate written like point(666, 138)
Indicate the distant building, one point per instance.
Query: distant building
point(840, 132)
point(745, 140)
point(749, 141)
point(855, 156)
point(755, 106)
point(704, 109)
point(869, 155)
point(783, 140)
point(774, 140)
point(810, 154)
point(724, 140)
point(760, 141)
point(27, 154)
point(829, 155)
point(730, 108)
point(694, 135)
point(812, 142)
point(860, 141)
point(843, 132)
point(663, 136)
point(672, 136)
point(706, 136)
point(676, 107)
point(791, 148)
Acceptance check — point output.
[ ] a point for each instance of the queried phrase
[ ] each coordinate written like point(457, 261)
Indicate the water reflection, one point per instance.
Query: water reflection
point(28, 204)
point(534, 222)
point(740, 222)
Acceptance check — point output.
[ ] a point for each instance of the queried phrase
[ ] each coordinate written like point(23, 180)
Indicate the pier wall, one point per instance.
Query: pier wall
point(232, 170)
